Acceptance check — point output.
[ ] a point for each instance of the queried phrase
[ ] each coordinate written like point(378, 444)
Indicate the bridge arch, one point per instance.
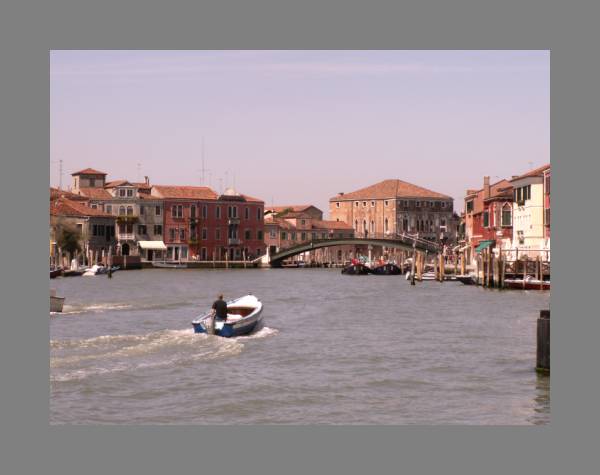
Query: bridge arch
point(406, 243)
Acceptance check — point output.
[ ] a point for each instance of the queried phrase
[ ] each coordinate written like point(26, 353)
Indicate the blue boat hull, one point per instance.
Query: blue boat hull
point(239, 328)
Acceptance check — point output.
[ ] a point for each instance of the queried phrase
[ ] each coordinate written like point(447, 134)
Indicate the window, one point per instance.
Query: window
point(142, 229)
point(182, 234)
point(157, 210)
point(193, 211)
point(94, 229)
point(337, 205)
point(204, 233)
point(92, 183)
point(372, 204)
point(121, 210)
point(130, 211)
point(547, 216)
point(142, 209)
point(218, 234)
point(521, 237)
point(486, 219)
point(364, 204)
point(259, 235)
point(385, 203)
point(314, 235)
point(303, 236)
point(470, 206)
point(431, 204)
point(122, 193)
point(356, 204)
point(203, 254)
point(372, 226)
point(283, 235)
point(218, 212)
point(507, 215)
point(100, 230)
point(172, 233)
point(204, 211)
point(109, 209)
point(232, 211)
point(443, 204)
point(272, 234)
point(418, 204)
point(385, 225)
point(247, 234)
point(246, 213)
point(94, 206)
point(293, 238)
point(129, 193)
point(158, 229)
point(303, 222)
point(177, 211)
point(259, 214)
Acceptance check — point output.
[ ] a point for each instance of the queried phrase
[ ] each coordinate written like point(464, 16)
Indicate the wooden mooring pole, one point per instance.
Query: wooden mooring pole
point(543, 343)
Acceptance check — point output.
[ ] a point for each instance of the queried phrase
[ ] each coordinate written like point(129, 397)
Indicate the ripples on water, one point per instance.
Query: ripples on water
point(335, 349)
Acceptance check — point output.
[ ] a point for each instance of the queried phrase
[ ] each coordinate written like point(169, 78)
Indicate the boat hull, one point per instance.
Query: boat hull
point(387, 269)
point(356, 269)
point(527, 285)
point(235, 326)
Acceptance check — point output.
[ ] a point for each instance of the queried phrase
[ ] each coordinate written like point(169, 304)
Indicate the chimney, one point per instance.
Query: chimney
point(486, 187)
point(341, 193)
point(147, 180)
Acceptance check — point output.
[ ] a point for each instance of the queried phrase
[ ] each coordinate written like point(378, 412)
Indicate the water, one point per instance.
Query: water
point(335, 349)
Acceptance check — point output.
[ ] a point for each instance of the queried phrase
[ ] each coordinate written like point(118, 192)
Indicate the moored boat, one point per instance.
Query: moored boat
point(56, 303)
point(466, 279)
point(244, 315)
point(98, 269)
point(529, 283)
point(387, 269)
point(356, 269)
point(169, 265)
point(55, 272)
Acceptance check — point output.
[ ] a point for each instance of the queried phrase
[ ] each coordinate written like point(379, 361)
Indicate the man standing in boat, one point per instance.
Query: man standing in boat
point(219, 308)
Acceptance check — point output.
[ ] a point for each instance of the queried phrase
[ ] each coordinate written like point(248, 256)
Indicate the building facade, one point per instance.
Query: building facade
point(530, 202)
point(201, 225)
point(393, 207)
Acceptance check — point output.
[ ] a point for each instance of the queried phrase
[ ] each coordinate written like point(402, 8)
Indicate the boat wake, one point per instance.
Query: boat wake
point(79, 359)
point(262, 333)
point(96, 308)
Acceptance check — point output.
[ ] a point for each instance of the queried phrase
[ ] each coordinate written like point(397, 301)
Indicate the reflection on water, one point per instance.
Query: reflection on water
point(335, 349)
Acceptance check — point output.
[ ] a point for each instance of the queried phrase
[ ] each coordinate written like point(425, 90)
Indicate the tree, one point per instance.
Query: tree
point(68, 240)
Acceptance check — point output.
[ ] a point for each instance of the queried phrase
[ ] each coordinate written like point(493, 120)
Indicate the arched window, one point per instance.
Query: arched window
point(385, 225)
point(366, 231)
point(121, 210)
point(130, 211)
point(372, 226)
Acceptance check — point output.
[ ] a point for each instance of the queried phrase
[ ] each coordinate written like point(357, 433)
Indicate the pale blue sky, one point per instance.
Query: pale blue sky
point(299, 126)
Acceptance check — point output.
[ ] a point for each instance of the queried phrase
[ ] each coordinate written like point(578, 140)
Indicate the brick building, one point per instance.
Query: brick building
point(199, 224)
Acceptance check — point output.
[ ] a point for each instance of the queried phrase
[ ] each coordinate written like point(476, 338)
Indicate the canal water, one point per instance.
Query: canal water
point(335, 349)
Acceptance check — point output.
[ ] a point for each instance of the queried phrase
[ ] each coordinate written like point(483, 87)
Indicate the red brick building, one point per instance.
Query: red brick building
point(199, 224)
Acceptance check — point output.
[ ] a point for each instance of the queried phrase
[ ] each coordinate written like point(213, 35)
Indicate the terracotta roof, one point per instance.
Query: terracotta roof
point(294, 215)
point(282, 223)
point(112, 184)
point(55, 193)
point(65, 207)
point(331, 225)
point(535, 172)
point(88, 171)
point(390, 189)
point(184, 192)
point(250, 198)
point(96, 193)
point(296, 208)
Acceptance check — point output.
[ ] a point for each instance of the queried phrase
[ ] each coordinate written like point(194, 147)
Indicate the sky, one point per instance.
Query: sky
point(297, 127)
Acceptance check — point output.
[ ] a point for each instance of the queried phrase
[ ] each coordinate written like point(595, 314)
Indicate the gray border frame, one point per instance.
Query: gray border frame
point(29, 445)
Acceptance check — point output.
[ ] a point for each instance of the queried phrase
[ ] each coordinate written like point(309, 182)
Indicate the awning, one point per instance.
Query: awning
point(483, 245)
point(153, 245)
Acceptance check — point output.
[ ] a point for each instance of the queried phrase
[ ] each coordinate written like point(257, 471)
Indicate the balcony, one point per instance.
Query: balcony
point(234, 241)
point(233, 221)
point(127, 219)
point(126, 237)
